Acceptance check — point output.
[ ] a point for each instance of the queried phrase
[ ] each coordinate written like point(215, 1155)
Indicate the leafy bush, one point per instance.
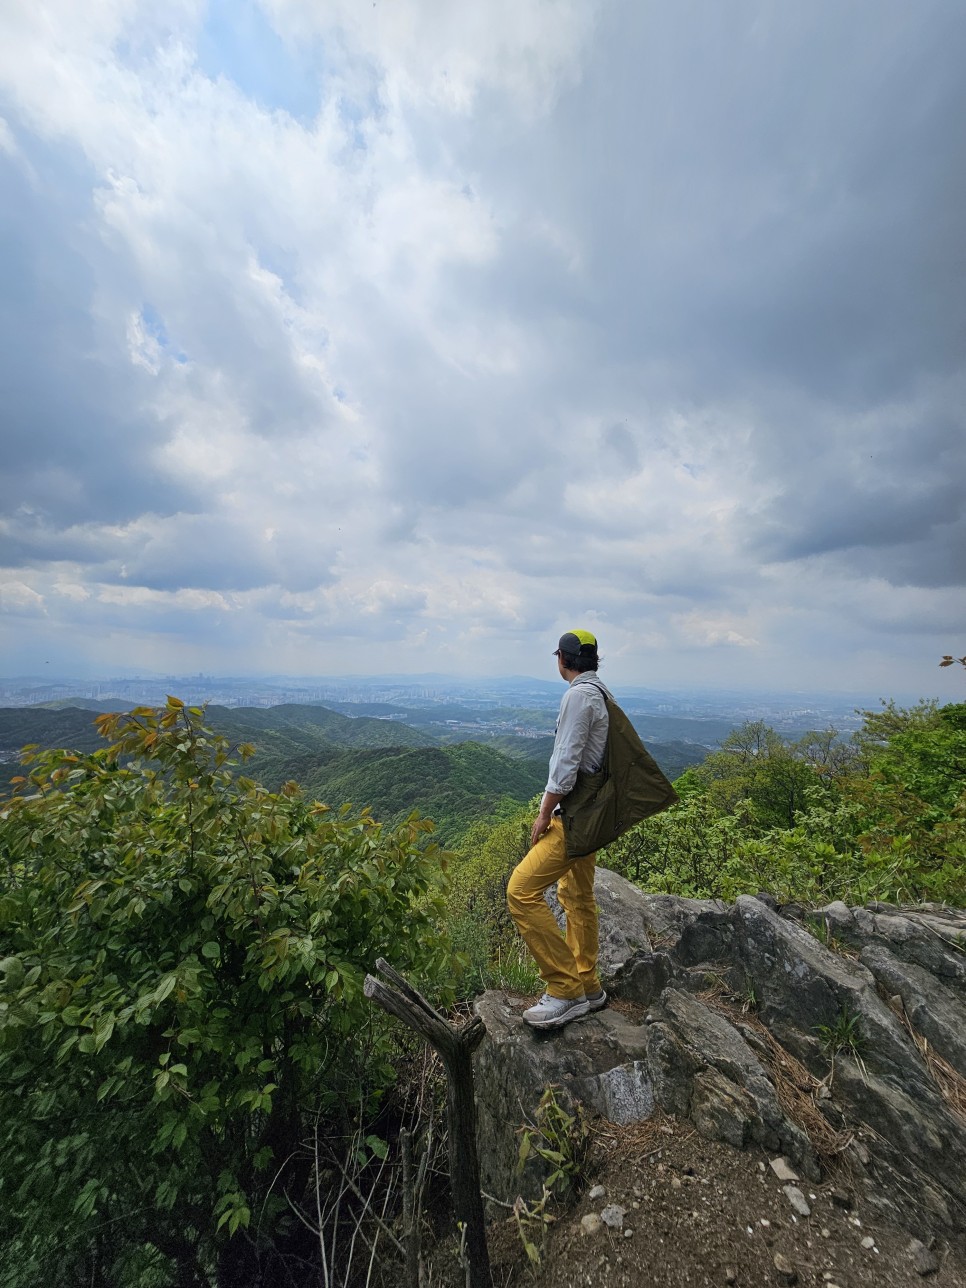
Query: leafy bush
point(181, 1001)
point(881, 818)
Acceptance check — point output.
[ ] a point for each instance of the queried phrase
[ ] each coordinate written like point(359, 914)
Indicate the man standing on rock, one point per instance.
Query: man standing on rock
point(568, 965)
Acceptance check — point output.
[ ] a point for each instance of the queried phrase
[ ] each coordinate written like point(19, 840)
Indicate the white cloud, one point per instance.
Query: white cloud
point(16, 597)
point(552, 312)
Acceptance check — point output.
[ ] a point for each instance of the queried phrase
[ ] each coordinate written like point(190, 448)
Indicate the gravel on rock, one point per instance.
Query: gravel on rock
point(725, 1222)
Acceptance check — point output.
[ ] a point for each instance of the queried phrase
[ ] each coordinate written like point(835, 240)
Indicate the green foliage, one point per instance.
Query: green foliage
point(61, 727)
point(289, 728)
point(880, 726)
point(181, 997)
point(843, 1034)
point(755, 766)
point(881, 818)
point(689, 850)
point(385, 765)
point(477, 915)
point(457, 784)
point(533, 1221)
point(559, 1138)
point(913, 799)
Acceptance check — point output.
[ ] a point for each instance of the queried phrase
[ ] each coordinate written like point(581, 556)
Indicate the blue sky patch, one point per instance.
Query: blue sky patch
point(239, 43)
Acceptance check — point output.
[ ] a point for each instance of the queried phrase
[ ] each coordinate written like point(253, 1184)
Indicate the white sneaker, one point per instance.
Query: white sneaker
point(596, 1001)
point(555, 1012)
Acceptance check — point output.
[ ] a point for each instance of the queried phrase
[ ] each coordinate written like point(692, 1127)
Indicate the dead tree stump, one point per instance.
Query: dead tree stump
point(455, 1048)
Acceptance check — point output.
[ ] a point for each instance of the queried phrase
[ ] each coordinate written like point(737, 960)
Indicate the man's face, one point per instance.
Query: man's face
point(560, 666)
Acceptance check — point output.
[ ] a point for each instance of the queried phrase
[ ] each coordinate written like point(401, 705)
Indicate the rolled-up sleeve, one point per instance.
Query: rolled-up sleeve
point(573, 727)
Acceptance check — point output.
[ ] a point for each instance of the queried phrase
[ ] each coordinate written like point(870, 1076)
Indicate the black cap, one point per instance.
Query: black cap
point(578, 644)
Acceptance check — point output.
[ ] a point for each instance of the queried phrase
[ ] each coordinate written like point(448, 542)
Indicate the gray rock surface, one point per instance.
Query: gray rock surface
point(935, 1009)
point(924, 935)
point(671, 1041)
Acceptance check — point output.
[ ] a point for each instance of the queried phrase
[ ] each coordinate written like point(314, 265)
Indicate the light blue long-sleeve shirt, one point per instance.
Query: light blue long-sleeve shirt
point(581, 734)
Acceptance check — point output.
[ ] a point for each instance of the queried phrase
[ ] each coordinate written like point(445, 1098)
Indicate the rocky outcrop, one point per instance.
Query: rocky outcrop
point(837, 1042)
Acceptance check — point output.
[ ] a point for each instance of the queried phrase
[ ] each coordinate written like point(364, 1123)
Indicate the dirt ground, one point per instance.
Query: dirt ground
point(698, 1213)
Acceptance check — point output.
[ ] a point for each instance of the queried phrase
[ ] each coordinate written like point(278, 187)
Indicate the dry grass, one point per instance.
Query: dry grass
point(950, 1083)
point(796, 1089)
point(635, 1141)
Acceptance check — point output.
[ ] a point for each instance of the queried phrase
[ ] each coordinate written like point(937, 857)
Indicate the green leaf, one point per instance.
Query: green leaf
point(211, 949)
point(378, 1146)
point(86, 1199)
point(165, 988)
point(102, 1031)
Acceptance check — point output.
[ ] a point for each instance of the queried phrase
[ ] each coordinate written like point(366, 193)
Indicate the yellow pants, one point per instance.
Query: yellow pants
point(568, 964)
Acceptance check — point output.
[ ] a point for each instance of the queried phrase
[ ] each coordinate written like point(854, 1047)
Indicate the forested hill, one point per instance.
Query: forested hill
point(282, 729)
point(384, 764)
point(62, 727)
point(453, 785)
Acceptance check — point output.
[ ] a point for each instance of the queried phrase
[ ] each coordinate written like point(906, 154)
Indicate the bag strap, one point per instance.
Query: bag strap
point(599, 688)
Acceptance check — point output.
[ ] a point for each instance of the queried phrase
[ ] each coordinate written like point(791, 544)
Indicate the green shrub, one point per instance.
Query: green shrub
point(181, 1001)
point(882, 818)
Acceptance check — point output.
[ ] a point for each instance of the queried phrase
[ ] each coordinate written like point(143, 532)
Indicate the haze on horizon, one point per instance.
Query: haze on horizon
point(400, 338)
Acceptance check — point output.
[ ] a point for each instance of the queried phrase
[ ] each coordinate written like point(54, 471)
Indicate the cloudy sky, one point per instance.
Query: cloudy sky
point(401, 336)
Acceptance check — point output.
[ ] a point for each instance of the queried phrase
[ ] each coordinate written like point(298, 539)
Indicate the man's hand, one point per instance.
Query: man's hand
point(541, 825)
point(542, 822)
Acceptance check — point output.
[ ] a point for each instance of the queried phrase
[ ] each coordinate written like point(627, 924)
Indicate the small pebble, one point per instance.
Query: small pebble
point(590, 1224)
point(867, 1242)
point(797, 1199)
point(785, 1268)
point(628, 1232)
point(675, 1183)
point(765, 1222)
point(782, 1170)
point(597, 1192)
point(826, 1232)
point(924, 1260)
point(613, 1216)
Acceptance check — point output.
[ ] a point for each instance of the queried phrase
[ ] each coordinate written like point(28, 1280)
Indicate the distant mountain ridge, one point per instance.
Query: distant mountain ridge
point(307, 725)
point(382, 765)
point(452, 770)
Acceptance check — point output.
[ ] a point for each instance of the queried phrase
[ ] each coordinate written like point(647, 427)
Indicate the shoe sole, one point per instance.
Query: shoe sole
point(558, 1021)
point(598, 1004)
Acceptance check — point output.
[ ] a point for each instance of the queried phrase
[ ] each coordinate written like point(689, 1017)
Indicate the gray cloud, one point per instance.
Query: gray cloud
point(76, 437)
point(646, 316)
